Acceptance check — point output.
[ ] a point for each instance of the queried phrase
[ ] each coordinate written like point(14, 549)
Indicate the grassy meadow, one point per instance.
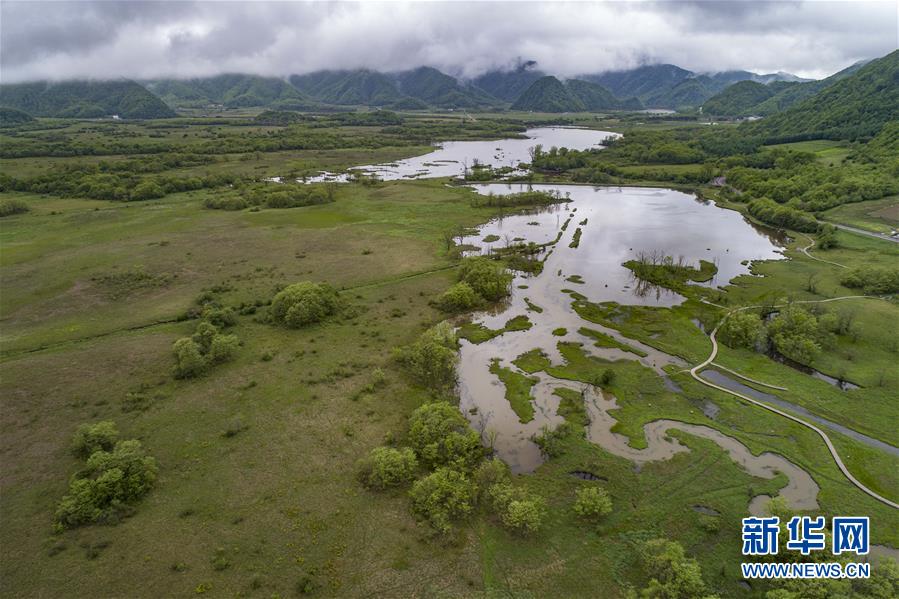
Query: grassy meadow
point(257, 493)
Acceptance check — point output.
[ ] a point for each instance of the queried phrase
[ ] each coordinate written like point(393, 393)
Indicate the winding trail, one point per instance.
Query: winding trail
point(810, 246)
point(694, 372)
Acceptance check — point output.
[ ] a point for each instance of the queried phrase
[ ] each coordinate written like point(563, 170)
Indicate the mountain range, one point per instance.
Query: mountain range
point(522, 87)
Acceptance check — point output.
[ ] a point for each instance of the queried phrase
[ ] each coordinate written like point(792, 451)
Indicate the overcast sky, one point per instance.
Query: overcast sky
point(59, 40)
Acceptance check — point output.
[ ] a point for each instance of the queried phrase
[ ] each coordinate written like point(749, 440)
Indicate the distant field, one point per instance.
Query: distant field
point(879, 216)
point(828, 152)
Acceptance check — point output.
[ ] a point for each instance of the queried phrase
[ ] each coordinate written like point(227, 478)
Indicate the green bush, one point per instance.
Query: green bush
point(517, 510)
point(11, 207)
point(388, 467)
point(486, 277)
point(110, 481)
point(431, 360)
point(222, 348)
point(743, 329)
point(489, 473)
point(94, 437)
point(459, 298)
point(441, 436)
point(592, 503)
point(304, 303)
point(189, 360)
point(442, 497)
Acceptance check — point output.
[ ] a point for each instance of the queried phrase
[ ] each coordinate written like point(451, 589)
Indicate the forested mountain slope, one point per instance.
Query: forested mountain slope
point(84, 99)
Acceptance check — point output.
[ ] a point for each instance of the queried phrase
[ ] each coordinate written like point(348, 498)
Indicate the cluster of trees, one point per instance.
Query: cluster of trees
point(114, 181)
point(663, 270)
point(455, 478)
point(521, 199)
point(115, 475)
point(795, 332)
point(672, 574)
point(772, 213)
point(271, 195)
point(304, 303)
point(208, 346)
point(872, 280)
point(481, 280)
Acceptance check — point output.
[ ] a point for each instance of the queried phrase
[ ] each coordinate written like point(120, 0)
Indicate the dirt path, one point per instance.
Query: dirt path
point(810, 246)
point(694, 372)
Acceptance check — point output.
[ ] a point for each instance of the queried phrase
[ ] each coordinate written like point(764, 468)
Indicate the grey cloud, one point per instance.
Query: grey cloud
point(185, 39)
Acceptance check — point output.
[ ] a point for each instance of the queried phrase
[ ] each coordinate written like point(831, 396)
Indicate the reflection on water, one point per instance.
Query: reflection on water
point(620, 223)
point(452, 157)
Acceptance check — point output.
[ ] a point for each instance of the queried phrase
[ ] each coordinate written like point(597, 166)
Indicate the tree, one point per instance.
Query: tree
point(459, 298)
point(94, 437)
point(517, 510)
point(441, 436)
point(432, 358)
point(189, 360)
point(388, 467)
point(442, 497)
point(743, 329)
point(304, 303)
point(222, 348)
point(487, 278)
point(674, 575)
point(489, 473)
point(592, 503)
point(795, 334)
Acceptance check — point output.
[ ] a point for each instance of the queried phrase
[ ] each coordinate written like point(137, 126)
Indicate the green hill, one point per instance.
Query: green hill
point(855, 106)
point(548, 94)
point(231, 91)
point(84, 99)
point(509, 85)
point(361, 86)
point(595, 97)
point(10, 117)
point(738, 98)
point(439, 89)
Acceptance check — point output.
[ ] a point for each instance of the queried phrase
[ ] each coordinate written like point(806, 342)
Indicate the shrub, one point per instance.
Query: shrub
point(304, 303)
point(486, 277)
point(441, 436)
point(222, 348)
point(517, 510)
point(189, 360)
point(743, 329)
point(489, 473)
point(220, 317)
point(459, 298)
point(592, 503)
point(431, 360)
point(11, 207)
point(388, 467)
point(550, 441)
point(94, 437)
point(441, 497)
point(110, 481)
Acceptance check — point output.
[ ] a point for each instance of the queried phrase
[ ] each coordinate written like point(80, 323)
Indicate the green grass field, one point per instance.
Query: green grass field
point(257, 492)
